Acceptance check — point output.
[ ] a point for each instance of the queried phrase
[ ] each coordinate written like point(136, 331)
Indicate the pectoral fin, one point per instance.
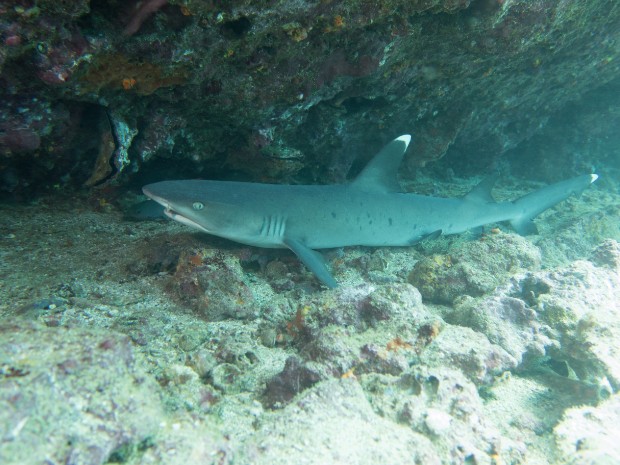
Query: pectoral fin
point(426, 237)
point(313, 260)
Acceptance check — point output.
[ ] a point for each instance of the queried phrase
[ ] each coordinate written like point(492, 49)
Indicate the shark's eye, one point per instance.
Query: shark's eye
point(198, 205)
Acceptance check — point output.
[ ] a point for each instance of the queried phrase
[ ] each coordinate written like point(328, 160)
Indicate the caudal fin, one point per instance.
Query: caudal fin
point(531, 205)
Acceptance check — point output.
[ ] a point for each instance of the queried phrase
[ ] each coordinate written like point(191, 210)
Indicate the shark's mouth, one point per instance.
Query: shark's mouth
point(173, 214)
point(176, 216)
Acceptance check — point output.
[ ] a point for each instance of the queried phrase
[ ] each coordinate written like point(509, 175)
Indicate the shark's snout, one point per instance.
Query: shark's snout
point(162, 192)
point(154, 197)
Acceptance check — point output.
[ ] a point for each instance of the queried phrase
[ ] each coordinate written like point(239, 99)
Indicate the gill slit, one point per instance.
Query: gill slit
point(273, 226)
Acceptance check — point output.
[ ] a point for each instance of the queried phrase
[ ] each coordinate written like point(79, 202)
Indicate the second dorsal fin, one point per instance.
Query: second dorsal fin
point(482, 192)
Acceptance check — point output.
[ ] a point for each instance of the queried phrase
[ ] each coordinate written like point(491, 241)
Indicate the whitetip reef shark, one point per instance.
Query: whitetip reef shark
point(369, 211)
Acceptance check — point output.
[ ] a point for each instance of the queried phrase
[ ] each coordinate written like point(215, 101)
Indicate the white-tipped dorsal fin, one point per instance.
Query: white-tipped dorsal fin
point(380, 173)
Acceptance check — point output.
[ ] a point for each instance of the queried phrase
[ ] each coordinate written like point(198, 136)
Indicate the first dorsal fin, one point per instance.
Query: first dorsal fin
point(380, 173)
point(482, 192)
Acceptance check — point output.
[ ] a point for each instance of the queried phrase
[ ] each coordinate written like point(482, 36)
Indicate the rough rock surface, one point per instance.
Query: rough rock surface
point(290, 91)
point(334, 423)
point(443, 405)
point(87, 394)
point(570, 314)
point(590, 434)
point(459, 347)
point(468, 270)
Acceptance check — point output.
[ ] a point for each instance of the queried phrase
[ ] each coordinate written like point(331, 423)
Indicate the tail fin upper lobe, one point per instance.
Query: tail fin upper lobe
point(531, 205)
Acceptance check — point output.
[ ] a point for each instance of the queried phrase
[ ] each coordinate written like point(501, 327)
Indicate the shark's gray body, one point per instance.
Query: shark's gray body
point(369, 211)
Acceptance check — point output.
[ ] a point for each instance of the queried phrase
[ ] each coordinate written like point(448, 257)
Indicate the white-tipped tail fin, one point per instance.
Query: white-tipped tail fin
point(531, 205)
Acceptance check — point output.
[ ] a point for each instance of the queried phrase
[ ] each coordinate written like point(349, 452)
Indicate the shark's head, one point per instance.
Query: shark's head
point(200, 204)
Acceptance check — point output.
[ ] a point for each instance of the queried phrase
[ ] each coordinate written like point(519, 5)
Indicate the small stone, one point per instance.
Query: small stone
point(437, 422)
